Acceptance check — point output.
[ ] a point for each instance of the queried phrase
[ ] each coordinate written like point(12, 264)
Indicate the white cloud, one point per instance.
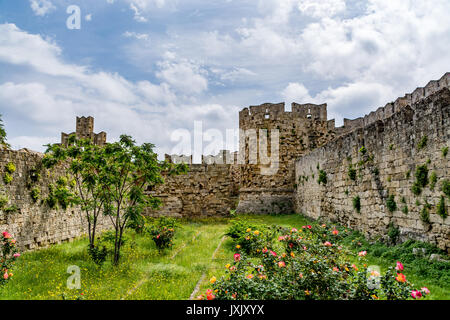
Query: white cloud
point(139, 36)
point(42, 7)
point(321, 9)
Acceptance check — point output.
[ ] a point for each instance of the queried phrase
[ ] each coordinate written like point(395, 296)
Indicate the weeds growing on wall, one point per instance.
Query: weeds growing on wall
point(357, 204)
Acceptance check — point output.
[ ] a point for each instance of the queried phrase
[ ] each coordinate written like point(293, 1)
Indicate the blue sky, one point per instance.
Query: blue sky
point(150, 67)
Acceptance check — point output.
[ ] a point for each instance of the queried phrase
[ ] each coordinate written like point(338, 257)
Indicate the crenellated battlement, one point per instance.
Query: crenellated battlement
point(390, 108)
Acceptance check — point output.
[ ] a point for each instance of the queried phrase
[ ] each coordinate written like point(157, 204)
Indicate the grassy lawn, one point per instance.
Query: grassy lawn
point(145, 273)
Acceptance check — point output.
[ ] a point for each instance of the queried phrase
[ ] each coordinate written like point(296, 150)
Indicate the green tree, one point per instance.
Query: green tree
point(85, 164)
point(129, 170)
point(3, 143)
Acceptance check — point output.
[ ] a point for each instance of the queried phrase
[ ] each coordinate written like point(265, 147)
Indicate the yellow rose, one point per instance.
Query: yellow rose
point(256, 232)
point(238, 247)
point(227, 266)
point(212, 280)
point(248, 230)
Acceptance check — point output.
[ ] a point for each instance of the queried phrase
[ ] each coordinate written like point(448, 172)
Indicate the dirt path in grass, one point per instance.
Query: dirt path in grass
point(145, 279)
point(202, 278)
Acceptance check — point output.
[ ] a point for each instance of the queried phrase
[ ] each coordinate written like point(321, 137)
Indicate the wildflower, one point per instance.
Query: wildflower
point(335, 232)
point(327, 244)
point(227, 266)
point(238, 247)
point(249, 276)
point(400, 277)
point(416, 294)
point(292, 254)
point(362, 253)
point(281, 264)
point(237, 257)
point(399, 266)
point(346, 269)
point(248, 230)
point(16, 255)
point(307, 292)
point(247, 238)
point(425, 290)
point(212, 280)
point(256, 232)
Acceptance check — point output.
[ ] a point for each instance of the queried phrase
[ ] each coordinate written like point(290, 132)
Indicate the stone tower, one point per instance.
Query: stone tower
point(269, 187)
point(85, 130)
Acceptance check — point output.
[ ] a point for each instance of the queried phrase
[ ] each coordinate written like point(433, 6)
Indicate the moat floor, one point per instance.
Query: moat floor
point(200, 251)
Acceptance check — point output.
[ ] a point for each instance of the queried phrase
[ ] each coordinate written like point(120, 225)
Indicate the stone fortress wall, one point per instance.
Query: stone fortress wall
point(306, 138)
point(391, 136)
point(34, 224)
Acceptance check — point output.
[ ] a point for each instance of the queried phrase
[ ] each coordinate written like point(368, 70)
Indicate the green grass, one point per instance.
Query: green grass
point(145, 273)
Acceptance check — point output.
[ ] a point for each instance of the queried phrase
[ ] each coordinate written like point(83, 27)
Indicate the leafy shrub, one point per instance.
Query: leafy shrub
point(322, 177)
point(7, 178)
point(390, 203)
point(306, 268)
point(405, 209)
point(446, 188)
point(98, 255)
point(162, 236)
point(357, 204)
point(363, 150)
point(3, 201)
point(35, 194)
point(10, 168)
point(441, 208)
point(433, 180)
point(444, 151)
point(422, 175)
point(351, 172)
point(250, 238)
point(425, 215)
point(8, 257)
point(422, 143)
point(11, 209)
point(393, 233)
point(416, 189)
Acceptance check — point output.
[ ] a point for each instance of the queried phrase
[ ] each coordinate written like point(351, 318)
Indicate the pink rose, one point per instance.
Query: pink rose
point(335, 232)
point(363, 253)
point(327, 244)
point(5, 276)
point(425, 290)
point(416, 294)
point(281, 264)
point(237, 257)
point(399, 266)
point(273, 253)
point(16, 255)
point(6, 235)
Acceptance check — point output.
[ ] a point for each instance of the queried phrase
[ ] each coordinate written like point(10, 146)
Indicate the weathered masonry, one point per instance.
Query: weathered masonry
point(399, 139)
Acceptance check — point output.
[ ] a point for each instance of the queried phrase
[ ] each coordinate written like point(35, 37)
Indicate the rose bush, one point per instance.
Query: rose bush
point(8, 257)
point(309, 263)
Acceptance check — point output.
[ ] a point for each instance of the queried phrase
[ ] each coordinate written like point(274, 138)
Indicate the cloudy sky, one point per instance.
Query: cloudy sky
point(150, 67)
